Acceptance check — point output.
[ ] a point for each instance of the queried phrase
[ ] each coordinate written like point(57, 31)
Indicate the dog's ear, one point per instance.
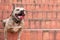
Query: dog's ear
point(13, 6)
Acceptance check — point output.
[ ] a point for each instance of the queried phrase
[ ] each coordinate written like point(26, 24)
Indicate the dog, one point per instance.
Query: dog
point(15, 22)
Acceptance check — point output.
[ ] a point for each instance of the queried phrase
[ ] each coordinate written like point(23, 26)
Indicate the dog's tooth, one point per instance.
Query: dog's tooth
point(18, 16)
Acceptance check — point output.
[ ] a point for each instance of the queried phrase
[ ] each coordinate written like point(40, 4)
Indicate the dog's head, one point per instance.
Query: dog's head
point(19, 13)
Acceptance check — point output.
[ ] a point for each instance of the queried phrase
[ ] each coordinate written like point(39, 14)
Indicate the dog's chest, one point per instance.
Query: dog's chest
point(11, 23)
point(16, 24)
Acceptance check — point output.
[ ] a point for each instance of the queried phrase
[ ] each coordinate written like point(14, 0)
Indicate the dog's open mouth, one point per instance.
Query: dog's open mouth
point(20, 15)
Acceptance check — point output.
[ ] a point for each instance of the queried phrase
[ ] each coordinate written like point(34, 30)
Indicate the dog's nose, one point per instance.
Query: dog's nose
point(22, 11)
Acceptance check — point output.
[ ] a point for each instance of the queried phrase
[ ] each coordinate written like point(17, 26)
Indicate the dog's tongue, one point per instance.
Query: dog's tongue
point(20, 17)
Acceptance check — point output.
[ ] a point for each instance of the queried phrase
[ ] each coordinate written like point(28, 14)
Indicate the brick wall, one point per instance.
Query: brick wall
point(41, 14)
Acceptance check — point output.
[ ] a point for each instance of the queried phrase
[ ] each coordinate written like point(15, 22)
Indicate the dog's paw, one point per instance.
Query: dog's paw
point(15, 29)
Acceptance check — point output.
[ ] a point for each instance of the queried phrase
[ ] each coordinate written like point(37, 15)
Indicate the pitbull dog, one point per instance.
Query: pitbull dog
point(15, 22)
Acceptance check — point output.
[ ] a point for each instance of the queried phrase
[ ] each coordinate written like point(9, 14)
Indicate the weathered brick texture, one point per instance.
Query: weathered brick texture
point(41, 14)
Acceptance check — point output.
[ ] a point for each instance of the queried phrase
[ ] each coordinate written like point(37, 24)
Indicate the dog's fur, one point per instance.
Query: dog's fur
point(13, 23)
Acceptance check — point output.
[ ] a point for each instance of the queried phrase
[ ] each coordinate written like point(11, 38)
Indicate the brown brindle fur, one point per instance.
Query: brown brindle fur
point(11, 26)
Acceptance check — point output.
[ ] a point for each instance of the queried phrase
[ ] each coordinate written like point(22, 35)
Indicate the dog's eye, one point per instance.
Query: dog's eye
point(17, 9)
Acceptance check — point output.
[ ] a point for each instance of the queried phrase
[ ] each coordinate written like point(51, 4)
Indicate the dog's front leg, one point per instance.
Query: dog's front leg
point(19, 34)
point(5, 34)
point(20, 31)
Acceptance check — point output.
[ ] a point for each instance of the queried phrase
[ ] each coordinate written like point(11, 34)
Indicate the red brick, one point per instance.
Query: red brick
point(55, 8)
point(4, 7)
point(39, 35)
point(46, 36)
point(26, 24)
point(9, 13)
point(58, 7)
point(38, 8)
point(32, 25)
point(5, 15)
point(58, 2)
point(26, 35)
point(53, 24)
point(23, 35)
point(1, 36)
point(29, 35)
point(50, 8)
point(14, 1)
point(38, 1)
point(45, 7)
point(43, 1)
point(19, 1)
point(55, 1)
point(51, 2)
point(58, 15)
point(34, 35)
point(29, 15)
point(5, 1)
point(1, 15)
point(1, 30)
point(12, 36)
point(1, 25)
point(38, 24)
point(39, 16)
point(25, 6)
point(1, 7)
point(43, 24)
point(53, 15)
point(58, 36)
point(27, 1)
point(30, 7)
point(47, 2)
point(8, 7)
point(24, 1)
point(35, 15)
point(30, 1)
point(51, 35)
point(49, 15)
point(44, 15)
point(58, 24)
point(48, 24)
point(10, 1)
